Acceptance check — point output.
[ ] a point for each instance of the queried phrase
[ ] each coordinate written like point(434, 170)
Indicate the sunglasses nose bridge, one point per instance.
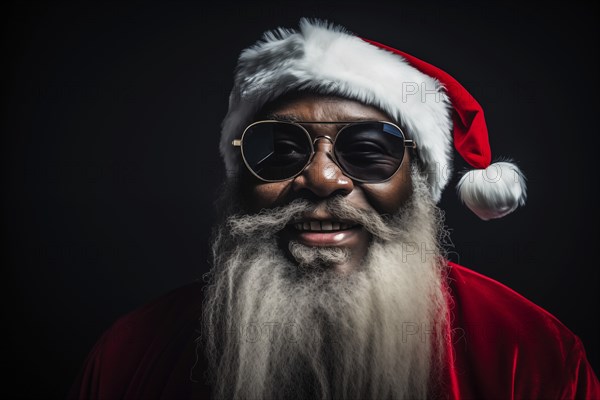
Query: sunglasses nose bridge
point(325, 137)
point(320, 144)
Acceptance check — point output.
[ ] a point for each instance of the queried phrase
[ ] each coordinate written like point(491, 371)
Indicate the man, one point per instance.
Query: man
point(329, 278)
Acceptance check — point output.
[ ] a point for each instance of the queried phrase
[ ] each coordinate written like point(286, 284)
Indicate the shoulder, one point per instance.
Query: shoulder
point(471, 285)
point(169, 311)
point(142, 352)
point(506, 341)
point(493, 309)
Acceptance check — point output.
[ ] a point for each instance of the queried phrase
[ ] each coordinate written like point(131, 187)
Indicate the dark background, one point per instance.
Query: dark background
point(110, 123)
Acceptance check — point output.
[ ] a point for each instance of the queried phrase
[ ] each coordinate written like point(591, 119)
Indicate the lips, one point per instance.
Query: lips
point(321, 229)
point(323, 232)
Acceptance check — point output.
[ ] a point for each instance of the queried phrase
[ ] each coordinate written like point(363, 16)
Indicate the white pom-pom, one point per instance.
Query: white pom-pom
point(493, 192)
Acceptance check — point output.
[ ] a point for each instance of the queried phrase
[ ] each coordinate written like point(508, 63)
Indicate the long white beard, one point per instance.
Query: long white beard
point(276, 330)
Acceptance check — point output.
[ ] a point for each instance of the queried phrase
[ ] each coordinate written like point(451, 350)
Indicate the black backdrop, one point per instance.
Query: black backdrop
point(110, 123)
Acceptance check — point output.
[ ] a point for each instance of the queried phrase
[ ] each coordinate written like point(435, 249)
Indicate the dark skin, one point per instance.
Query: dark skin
point(322, 178)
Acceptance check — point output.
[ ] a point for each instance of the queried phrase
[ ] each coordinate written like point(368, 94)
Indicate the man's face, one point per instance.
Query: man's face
point(323, 179)
point(329, 306)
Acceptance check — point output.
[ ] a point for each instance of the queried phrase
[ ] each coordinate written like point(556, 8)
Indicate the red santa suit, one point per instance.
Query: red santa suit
point(502, 347)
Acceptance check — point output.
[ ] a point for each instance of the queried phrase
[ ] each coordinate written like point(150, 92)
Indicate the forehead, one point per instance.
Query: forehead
point(310, 107)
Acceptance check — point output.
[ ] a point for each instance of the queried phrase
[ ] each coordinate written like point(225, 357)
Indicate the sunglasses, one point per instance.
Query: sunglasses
point(366, 151)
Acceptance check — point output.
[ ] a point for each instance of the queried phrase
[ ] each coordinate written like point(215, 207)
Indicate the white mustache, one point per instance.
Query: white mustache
point(270, 221)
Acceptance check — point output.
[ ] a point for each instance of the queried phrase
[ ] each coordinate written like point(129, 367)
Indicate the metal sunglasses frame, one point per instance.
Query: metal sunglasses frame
point(408, 143)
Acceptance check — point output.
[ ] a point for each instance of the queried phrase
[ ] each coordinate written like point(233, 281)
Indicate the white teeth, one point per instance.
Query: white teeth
point(319, 226)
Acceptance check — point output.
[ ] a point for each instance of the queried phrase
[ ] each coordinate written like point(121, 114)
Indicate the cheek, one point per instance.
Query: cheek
point(259, 195)
point(388, 197)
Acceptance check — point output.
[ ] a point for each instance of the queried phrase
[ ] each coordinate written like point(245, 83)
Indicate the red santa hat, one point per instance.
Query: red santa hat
point(435, 110)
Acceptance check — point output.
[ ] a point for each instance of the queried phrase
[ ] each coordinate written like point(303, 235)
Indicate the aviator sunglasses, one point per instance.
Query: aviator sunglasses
point(366, 151)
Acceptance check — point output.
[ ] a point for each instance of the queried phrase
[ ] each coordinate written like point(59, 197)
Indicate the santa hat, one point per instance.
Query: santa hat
point(432, 107)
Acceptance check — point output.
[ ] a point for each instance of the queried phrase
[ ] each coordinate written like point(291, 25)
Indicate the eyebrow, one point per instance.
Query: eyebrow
point(284, 117)
point(296, 118)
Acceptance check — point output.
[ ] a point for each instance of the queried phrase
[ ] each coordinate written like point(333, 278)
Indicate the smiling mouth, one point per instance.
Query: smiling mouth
point(324, 232)
point(322, 226)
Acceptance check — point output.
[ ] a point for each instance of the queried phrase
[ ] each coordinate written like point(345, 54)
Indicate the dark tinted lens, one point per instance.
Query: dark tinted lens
point(370, 151)
point(276, 150)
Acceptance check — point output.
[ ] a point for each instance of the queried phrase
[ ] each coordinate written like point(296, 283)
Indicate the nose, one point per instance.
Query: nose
point(322, 177)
